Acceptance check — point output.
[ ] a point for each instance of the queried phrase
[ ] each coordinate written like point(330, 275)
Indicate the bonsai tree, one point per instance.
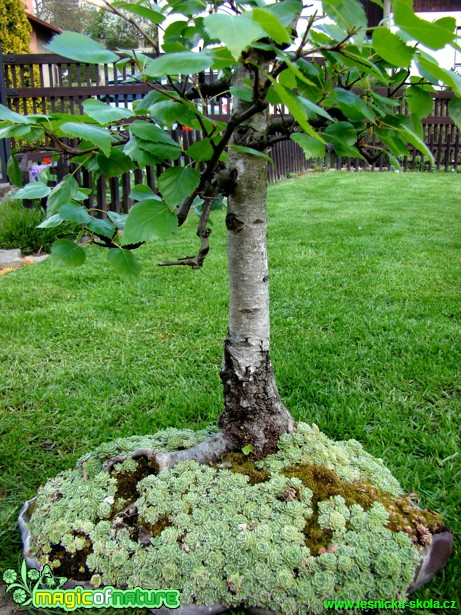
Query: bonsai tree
point(320, 80)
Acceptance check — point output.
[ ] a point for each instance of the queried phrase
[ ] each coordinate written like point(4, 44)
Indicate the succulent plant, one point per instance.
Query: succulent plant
point(217, 537)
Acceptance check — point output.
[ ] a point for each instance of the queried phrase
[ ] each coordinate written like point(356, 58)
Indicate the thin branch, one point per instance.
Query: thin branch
point(203, 232)
point(391, 94)
point(277, 139)
point(183, 209)
point(111, 9)
point(63, 147)
point(207, 90)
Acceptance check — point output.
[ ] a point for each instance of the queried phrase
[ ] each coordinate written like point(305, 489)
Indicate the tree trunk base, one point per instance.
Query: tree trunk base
point(254, 414)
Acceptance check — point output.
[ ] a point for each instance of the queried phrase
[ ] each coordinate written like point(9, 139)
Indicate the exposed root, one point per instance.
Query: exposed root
point(206, 452)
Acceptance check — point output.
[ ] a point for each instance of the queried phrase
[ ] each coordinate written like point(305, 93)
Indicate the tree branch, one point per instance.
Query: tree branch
point(206, 90)
point(107, 6)
point(203, 232)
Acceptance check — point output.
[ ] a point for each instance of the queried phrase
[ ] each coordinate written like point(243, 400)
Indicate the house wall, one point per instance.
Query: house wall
point(436, 5)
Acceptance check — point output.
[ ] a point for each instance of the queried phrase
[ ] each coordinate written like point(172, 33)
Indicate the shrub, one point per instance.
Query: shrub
point(18, 229)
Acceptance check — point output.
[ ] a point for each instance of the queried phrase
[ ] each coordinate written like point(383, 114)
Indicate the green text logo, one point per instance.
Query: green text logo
point(42, 589)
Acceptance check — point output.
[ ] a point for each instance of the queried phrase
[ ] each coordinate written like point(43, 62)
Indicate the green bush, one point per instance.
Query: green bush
point(18, 229)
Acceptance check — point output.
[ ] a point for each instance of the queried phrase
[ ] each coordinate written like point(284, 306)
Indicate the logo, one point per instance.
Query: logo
point(41, 588)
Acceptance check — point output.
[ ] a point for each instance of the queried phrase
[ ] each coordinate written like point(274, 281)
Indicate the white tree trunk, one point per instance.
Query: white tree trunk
point(253, 411)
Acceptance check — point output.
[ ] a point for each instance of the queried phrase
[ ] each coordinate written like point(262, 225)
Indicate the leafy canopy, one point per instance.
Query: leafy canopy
point(329, 81)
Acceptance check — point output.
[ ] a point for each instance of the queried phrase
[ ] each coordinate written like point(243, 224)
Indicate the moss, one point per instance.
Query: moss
point(324, 483)
point(243, 464)
point(316, 537)
point(127, 481)
point(72, 565)
point(157, 528)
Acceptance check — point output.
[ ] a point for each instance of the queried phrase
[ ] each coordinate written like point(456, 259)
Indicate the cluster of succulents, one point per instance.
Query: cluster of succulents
point(217, 536)
point(346, 458)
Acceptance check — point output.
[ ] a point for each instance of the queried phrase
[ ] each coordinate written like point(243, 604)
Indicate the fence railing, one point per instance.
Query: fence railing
point(47, 83)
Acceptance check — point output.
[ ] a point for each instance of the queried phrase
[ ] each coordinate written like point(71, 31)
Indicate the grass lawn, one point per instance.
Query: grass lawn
point(365, 288)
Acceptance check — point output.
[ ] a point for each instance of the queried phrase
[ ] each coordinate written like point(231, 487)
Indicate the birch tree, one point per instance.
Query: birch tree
point(322, 80)
point(329, 81)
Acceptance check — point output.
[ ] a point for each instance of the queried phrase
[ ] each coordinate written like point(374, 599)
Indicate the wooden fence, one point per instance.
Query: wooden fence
point(46, 83)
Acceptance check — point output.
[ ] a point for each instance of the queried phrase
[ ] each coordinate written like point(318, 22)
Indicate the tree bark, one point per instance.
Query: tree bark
point(253, 413)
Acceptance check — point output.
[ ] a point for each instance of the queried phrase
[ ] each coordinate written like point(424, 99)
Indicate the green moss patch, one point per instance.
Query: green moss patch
point(243, 464)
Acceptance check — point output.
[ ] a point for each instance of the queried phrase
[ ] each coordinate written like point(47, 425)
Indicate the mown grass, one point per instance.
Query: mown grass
point(365, 290)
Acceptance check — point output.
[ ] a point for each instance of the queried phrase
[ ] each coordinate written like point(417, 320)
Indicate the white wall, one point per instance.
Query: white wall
point(446, 57)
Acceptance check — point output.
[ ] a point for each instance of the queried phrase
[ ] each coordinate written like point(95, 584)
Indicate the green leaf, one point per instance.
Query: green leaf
point(74, 213)
point(104, 113)
point(353, 107)
point(187, 7)
point(119, 220)
point(221, 56)
point(315, 109)
point(149, 219)
point(80, 48)
point(141, 192)
point(296, 108)
point(408, 131)
point(287, 78)
point(114, 165)
point(22, 131)
point(124, 262)
point(311, 147)
point(160, 151)
point(356, 58)
point(24, 572)
point(101, 227)
point(246, 450)
point(97, 136)
point(66, 253)
point(243, 93)
point(393, 141)
point(143, 104)
point(346, 13)
point(343, 136)
point(34, 190)
point(12, 116)
point(454, 109)
point(200, 150)
point(153, 14)
point(429, 68)
point(433, 35)
point(175, 29)
point(51, 222)
point(271, 25)
point(272, 96)
point(177, 183)
point(236, 31)
point(252, 152)
point(391, 47)
point(136, 153)
point(63, 193)
point(286, 11)
point(150, 132)
point(294, 68)
point(419, 101)
point(181, 63)
point(13, 171)
point(169, 113)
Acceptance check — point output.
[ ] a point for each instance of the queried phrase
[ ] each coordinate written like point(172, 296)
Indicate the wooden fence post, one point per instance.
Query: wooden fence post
point(4, 143)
